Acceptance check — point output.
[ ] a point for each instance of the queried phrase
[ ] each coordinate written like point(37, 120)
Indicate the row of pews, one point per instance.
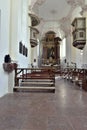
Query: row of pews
point(76, 76)
point(34, 79)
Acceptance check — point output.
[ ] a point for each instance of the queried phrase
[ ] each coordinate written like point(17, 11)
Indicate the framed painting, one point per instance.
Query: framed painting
point(24, 50)
point(20, 47)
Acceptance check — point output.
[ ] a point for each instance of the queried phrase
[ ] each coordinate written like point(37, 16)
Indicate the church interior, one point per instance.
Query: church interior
point(43, 70)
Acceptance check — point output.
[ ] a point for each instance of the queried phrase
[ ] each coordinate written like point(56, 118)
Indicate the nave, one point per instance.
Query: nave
point(66, 109)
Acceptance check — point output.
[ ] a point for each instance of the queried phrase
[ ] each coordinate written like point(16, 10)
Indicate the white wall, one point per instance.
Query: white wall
point(29, 45)
point(68, 49)
point(34, 55)
point(19, 30)
point(14, 28)
point(63, 48)
point(0, 27)
point(4, 42)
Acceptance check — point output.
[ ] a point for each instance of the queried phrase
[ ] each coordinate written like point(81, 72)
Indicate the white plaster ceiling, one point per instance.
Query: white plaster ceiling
point(54, 9)
point(55, 14)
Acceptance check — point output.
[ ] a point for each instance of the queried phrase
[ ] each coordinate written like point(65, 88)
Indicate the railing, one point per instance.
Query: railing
point(33, 73)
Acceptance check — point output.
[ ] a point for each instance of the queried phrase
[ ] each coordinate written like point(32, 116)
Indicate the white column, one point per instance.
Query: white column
point(68, 48)
point(14, 28)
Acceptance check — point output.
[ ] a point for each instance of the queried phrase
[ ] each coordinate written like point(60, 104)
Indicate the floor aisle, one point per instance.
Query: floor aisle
point(66, 109)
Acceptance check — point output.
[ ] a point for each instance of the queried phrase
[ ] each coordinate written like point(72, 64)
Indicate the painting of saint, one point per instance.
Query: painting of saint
point(50, 53)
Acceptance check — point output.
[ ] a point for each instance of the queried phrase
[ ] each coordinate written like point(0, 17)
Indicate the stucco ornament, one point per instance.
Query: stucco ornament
point(75, 3)
point(65, 22)
point(64, 25)
point(33, 2)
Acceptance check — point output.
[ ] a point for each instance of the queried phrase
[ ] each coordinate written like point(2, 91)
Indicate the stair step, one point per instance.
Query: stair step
point(34, 89)
point(38, 80)
point(48, 83)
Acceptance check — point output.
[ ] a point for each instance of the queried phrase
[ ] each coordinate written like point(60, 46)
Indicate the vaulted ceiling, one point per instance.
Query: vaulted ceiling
point(56, 15)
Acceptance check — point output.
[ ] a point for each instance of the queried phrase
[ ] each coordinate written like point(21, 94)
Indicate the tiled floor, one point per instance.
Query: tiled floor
point(66, 109)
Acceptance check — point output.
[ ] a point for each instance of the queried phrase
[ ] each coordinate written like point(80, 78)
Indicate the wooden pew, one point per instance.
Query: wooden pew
point(78, 77)
point(84, 82)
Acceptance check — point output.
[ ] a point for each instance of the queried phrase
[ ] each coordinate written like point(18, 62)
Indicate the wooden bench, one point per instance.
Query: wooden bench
point(77, 76)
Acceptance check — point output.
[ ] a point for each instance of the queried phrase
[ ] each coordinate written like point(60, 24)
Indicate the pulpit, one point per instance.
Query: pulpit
point(79, 32)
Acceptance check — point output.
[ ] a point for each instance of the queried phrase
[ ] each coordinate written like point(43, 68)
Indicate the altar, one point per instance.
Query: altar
point(51, 49)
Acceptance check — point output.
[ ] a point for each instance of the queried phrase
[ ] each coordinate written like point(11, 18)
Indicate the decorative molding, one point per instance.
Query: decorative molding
point(35, 29)
point(40, 2)
point(65, 24)
point(33, 2)
point(75, 3)
point(65, 19)
point(34, 19)
point(33, 42)
point(84, 9)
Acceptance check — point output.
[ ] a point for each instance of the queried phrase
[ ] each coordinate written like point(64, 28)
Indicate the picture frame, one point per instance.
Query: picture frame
point(20, 47)
point(24, 50)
